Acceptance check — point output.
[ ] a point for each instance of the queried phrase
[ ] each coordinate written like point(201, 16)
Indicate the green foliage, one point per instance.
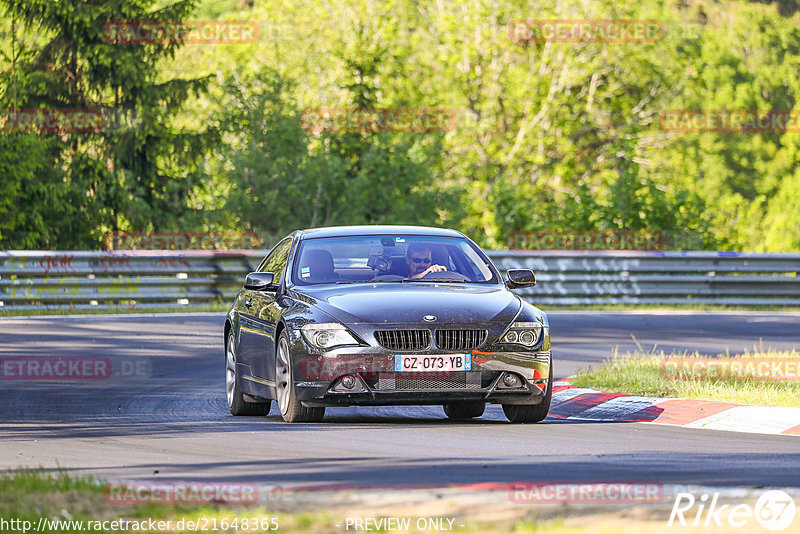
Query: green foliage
point(282, 177)
point(137, 170)
point(25, 180)
point(557, 136)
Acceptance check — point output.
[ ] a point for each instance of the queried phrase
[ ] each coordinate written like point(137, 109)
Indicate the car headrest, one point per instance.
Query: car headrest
point(319, 263)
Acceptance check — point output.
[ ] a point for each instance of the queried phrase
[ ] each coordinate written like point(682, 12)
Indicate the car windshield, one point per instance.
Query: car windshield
point(390, 258)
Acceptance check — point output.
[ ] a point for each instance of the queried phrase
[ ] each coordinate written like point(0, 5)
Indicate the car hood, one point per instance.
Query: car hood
point(410, 302)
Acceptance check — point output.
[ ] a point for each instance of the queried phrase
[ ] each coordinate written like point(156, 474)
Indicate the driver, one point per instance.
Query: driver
point(419, 261)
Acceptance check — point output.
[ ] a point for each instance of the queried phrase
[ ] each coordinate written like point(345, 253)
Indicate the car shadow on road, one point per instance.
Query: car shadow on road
point(695, 467)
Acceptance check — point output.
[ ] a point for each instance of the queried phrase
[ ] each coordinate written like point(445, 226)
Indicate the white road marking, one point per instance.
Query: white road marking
point(751, 419)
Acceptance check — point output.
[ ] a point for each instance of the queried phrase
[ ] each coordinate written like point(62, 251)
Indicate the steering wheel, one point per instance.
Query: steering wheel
point(446, 275)
point(387, 277)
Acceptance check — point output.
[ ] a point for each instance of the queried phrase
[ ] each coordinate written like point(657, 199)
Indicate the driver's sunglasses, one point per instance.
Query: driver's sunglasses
point(421, 260)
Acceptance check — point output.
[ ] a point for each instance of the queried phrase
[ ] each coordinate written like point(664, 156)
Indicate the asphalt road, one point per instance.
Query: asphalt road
point(174, 423)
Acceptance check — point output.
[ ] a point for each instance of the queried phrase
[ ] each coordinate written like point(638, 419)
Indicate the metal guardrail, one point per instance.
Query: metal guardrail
point(153, 279)
point(115, 279)
point(658, 277)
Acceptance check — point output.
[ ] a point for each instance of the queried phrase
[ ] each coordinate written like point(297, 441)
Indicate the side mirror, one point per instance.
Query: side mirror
point(259, 281)
point(520, 278)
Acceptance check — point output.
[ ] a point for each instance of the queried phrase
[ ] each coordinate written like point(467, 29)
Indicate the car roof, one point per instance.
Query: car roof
point(344, 231)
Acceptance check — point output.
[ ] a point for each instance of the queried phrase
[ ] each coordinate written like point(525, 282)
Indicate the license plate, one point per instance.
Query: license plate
point(439, 362)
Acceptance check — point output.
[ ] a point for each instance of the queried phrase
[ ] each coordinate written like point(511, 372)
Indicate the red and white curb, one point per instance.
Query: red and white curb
point(570, 402)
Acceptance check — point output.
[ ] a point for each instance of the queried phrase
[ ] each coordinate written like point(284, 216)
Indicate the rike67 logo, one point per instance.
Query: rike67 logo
point(774, 510)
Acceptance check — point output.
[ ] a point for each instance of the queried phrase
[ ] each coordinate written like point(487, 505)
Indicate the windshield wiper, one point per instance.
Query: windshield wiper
point(366, 281)
point(448, 280)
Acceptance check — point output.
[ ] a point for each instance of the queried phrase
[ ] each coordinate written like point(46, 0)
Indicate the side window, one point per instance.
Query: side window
point(275, 262)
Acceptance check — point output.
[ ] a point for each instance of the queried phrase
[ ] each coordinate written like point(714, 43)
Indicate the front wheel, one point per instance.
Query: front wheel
point(531, 413)
point(292, 410)
point(233, 392)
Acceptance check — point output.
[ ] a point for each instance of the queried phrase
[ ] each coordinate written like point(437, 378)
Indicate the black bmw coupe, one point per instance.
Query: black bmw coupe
point(385, 315)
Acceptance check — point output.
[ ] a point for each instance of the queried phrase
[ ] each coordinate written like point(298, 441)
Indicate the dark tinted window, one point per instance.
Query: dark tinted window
point(386, 258)
point(275, 262)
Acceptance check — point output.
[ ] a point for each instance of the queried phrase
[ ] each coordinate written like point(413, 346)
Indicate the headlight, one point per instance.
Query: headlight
point(526, 334)
point(328, 335)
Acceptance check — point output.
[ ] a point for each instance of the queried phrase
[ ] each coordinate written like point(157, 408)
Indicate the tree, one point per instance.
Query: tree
point(282, 176)
point(135, 172)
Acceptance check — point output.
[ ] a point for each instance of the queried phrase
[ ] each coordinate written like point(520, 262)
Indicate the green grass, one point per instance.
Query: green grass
point(26, 481)
point(221, 307)
point(641, 373)
point(28, 495)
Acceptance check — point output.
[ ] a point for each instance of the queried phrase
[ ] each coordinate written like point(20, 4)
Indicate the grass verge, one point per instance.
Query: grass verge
point(80, 506)
point(648, 374)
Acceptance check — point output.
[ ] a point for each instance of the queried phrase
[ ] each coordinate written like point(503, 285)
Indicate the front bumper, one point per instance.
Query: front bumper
point(318, 378)
point(311, 394)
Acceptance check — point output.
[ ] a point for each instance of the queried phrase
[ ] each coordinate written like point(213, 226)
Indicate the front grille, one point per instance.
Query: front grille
point(435, 381)
point(404, 339)
point(452, 380)
point(460, 339)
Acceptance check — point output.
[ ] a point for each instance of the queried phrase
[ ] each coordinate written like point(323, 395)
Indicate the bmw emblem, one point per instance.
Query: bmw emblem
point(430, 318)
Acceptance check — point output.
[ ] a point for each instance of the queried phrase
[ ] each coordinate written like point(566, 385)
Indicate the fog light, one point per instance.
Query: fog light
point(511, 380)
point(349, 381)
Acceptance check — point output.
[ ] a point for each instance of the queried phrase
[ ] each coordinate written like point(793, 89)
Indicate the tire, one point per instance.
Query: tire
point(464, 410)
point(531, 413)
point(291, 409)
point(233, 392)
